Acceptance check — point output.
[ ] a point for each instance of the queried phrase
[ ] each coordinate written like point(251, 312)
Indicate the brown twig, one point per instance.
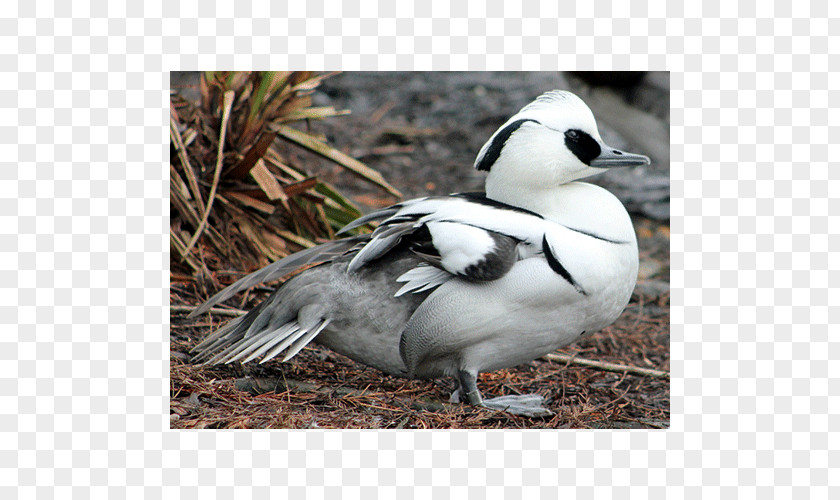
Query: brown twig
point(175, 135)
point(228, 104)
point(180, 246)
point(379, 112)
point(213, 310)
point(607, 367)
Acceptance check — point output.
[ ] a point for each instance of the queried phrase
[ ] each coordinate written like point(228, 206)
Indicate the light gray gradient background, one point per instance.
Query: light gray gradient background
point(84, 251)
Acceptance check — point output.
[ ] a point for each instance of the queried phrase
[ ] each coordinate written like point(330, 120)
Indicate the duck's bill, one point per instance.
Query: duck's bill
point(611, 157)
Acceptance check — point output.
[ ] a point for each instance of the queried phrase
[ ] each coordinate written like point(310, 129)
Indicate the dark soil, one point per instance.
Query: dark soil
point(422, 131)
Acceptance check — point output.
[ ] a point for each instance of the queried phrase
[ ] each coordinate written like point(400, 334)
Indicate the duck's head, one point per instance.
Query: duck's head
point(550, 142)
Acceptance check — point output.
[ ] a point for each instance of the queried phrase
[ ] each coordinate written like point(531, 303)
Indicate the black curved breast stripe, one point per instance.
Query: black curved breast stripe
point(558, 268)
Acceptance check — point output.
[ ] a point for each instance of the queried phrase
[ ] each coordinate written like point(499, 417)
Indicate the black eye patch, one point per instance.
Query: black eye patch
point(582, 145)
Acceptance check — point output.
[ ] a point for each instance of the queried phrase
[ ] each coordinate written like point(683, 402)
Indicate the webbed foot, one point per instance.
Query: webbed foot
point(526, 405)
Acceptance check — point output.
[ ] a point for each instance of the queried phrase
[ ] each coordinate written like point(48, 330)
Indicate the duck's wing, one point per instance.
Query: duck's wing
point(453, 249)
point(463, 235)
point(320, 254)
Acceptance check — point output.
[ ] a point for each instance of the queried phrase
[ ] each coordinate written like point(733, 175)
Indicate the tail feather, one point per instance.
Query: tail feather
point(206, 353)
point(303, 341)
point(297, 333)
point(248, 344)
point(281, 334)
point(222, 356)
point(237, 345)
point(227, 347)
point(213, 339)
point(232, 332)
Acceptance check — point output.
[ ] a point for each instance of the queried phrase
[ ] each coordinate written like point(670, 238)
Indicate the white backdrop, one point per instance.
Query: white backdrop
point(84, 254)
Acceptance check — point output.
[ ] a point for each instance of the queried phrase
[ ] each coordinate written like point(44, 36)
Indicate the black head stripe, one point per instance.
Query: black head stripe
point(582, 145)
point(498, 143)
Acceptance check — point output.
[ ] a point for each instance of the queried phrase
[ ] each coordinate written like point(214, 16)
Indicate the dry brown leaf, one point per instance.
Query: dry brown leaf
point(250, 202)
point(267, 181)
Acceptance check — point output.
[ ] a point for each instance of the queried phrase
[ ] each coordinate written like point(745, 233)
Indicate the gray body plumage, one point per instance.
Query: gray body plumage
point(365, 317)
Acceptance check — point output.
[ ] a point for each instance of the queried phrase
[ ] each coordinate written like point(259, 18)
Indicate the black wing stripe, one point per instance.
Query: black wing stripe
point(597, 237)
point(558, 268)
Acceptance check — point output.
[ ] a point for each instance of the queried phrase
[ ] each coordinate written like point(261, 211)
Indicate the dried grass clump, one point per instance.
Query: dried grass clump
point(237, 200)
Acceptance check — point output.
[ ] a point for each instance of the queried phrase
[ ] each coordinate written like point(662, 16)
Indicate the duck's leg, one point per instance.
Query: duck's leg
point(468, 391)
point(526, 405)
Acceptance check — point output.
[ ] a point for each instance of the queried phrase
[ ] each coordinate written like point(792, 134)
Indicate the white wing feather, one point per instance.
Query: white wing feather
point(422, 278)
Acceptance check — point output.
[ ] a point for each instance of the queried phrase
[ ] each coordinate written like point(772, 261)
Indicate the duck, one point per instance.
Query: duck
point(457, 285)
